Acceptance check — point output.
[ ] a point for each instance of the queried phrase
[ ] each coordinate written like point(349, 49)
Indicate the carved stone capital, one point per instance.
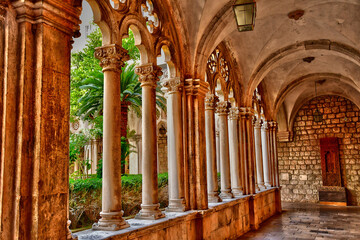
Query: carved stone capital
point(258, 123)
point(112, 57)
point(265, 126)
point(223, 107)
point(172, 85)
point(246, 112)
point(3, 7)
point(234, 113)
point(273, 125)
point(148, 74)
point(196, 87)
point(210, 101)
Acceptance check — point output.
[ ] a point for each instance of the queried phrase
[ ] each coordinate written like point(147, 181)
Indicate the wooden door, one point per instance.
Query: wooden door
point(330, 164)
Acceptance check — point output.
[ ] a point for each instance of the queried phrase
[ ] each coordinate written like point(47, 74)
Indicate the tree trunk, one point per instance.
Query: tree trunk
point(124, 123)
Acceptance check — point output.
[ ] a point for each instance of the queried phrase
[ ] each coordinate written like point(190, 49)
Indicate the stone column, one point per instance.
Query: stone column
point(35, 45)
point(112, 58)
point(234, 145)
point(264, 146)
point(223, 110)
point(258, 153)
point(212, 183)
point(217, 149)
point(270, 154)
point(272, 151)
point(148, 76)
point(173, 87)
point(242, 153)
point(274, 129)
point(248, 149)
point(137, 138)
point(195, 144)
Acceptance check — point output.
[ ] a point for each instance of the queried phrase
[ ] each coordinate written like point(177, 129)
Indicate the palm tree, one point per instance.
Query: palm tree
point(91, 103)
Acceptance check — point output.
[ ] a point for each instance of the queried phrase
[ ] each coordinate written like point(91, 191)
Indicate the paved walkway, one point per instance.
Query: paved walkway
point(310, 221)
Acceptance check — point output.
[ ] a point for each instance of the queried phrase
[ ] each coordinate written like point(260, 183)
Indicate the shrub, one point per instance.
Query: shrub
point(85, 197)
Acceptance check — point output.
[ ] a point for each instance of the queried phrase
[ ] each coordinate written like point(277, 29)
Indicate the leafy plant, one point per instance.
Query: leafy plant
point(77, 143)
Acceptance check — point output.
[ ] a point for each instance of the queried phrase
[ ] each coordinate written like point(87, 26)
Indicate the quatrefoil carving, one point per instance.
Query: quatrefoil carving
point(152, 20)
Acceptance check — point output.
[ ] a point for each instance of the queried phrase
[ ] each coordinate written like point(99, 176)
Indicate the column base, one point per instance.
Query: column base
point(150, 212)
point(69, 233)
point(237, 192)
point(176, 205)
point(267, 185)
point(262, 187)
point(257, 188)
point(111, 221)
point(214, 198)
point(226, 194)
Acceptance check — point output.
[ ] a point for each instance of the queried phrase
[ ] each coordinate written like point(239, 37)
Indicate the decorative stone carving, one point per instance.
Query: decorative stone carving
point(112, 57)
point(218, 68)
point(224, 69)
point(246, 112)
point(2, 11)
point(258, 123)
point(148, 74)
point(223, 107)
point(196, 87)
point(265, 125)
point(234, 113)
point(172, 85)
point(152, 20)
point(212, 61)
point(210, 101)
point(272, 125)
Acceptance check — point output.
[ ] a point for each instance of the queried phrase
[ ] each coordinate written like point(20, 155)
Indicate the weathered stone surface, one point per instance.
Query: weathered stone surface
point(300, 167)
point(227, 220)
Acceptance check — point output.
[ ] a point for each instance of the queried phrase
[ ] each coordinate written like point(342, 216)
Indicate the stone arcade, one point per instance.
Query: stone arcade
point(241, 102)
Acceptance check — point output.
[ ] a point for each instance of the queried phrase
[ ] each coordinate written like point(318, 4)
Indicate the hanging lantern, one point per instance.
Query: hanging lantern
point(245, 12)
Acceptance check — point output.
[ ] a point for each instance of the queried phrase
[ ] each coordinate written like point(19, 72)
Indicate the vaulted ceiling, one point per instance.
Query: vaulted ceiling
point(283, 56)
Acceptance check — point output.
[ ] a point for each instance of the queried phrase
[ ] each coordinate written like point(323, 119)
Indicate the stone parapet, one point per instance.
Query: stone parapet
point(226, 220)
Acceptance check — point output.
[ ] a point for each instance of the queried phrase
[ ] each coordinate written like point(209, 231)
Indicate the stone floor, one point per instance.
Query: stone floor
point(310, 221)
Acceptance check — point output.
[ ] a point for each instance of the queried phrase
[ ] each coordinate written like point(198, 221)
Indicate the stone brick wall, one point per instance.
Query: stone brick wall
point(300, 160)
point(162, 153)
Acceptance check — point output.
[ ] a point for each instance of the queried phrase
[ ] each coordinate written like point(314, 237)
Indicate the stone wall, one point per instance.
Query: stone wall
point(226, 220)
point(300, 160)
point(162, 153)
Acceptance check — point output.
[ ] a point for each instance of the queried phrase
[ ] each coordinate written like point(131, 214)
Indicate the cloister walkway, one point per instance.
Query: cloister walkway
point(310, 221)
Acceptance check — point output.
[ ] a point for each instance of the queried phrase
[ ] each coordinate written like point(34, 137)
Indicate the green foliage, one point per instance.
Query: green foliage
point(130, 88)
point(82, 64)
point(77, 142)
point(128, 181)
point(99, 169)
point(126, 149)
point(162, 180)
point(129, 44)
point(87, 184)
point(85, 198)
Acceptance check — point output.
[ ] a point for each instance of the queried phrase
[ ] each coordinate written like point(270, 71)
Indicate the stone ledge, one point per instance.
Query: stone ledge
point(231, 214)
